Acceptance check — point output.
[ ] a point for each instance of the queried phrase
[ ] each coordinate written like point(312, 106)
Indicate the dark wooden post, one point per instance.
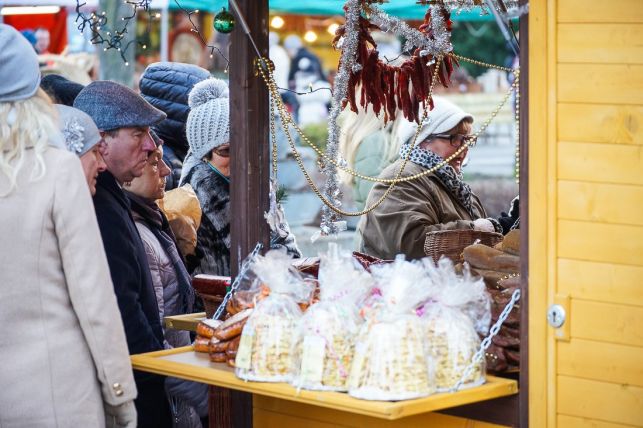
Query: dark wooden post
point(249, 138)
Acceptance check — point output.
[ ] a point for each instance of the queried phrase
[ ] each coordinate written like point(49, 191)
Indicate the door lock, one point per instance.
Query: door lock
point(556, 316)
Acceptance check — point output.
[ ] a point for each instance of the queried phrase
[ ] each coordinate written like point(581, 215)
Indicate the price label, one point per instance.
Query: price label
point(244, 352)
point(312, 360)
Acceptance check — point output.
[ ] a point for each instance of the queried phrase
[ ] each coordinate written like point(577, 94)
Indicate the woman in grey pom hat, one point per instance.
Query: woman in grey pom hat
point(64, 357)
point(207, 168)
point(84, 140)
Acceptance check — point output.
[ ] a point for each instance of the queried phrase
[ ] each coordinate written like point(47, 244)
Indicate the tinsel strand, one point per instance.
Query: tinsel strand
point(347, 61)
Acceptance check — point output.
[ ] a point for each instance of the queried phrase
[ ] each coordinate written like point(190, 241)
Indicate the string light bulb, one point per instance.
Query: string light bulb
point(332, 28)
point(310, 36)
point(277, 22)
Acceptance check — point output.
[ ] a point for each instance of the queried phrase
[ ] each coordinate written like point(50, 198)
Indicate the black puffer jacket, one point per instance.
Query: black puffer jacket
point(166, 86)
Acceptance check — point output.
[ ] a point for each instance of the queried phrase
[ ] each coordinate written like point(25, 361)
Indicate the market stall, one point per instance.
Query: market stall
point(248, 228)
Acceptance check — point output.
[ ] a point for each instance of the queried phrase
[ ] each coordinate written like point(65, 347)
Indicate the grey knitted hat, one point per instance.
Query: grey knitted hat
point(78, 129)
point(444, 117)
point(19, 69)
point(208, 124)
point(114, 106)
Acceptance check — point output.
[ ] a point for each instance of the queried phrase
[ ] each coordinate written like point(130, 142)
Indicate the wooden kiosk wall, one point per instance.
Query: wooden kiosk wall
point(586, 212)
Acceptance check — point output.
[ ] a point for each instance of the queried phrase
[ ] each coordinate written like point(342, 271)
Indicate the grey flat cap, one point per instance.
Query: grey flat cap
point(19, 69)
point(78, 129)
point(114, 106)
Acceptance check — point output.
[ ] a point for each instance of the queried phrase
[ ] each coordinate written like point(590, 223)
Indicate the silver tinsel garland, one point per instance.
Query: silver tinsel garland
point(414, 37)
point(332, 190)
point(441, 43)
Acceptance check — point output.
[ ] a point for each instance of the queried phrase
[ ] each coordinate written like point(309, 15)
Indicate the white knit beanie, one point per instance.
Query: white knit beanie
point(208, 124)
point(444, 117)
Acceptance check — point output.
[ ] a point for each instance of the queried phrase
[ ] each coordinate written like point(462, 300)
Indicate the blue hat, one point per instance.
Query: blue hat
point(113, 106)
point(61, 89)
point(19, 72)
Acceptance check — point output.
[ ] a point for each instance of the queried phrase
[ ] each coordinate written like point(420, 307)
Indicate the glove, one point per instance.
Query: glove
point(483, 225)
point(121, 416)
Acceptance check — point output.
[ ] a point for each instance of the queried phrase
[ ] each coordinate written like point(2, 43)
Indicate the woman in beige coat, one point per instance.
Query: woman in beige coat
point(63, 355)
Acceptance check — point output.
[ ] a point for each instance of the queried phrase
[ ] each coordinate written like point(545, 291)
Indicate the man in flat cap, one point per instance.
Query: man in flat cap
point(124, 119)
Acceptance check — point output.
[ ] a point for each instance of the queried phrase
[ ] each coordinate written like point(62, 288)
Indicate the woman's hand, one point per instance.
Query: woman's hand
point(121, 416)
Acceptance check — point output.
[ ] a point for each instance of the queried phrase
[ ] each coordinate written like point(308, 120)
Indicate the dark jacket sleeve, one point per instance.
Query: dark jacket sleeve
point(126, 276)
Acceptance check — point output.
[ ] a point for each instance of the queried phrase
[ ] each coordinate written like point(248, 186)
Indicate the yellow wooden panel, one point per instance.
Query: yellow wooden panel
point(281, 413)
point(600, 242)
point(603, 282)
point(600, 11)
point(600, 123)
point(600, 83)
point(603, 163)
point(604, 401)
point(186, 364)
point(606, 362)
point(605, 322)
point(565, 421)
point(600, 43)
point(598, 202)
point(265, 419)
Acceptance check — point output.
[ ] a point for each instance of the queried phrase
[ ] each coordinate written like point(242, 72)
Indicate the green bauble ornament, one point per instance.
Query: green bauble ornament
point(224, 21)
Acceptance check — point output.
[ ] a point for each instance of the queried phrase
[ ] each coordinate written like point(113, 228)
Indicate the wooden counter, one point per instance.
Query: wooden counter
point(186, 322)
point(187, 364)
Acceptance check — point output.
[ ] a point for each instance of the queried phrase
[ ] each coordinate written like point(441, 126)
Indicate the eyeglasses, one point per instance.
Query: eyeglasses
point(456, 140)
point(223, 151)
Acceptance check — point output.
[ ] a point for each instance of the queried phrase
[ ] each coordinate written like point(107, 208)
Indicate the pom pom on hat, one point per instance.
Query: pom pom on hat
point(208, 124)
point(207, 90)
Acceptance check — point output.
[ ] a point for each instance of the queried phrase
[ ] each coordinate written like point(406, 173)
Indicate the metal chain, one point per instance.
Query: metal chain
point(272, 86)
point(237, 281)
point(486, 342)
point(483, 64)
point(266, 72)
point(354, 173)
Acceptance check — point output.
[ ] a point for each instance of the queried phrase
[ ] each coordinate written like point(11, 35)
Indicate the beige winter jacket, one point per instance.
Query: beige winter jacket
point(411, 210)
point(62, 347)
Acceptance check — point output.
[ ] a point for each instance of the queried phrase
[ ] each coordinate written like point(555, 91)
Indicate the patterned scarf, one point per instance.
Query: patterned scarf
point(160, 227)
point(447, 174)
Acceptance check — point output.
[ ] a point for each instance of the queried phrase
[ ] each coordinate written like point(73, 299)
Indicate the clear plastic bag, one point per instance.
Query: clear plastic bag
point(459, 309)
point(390, 361)
point(325, 338)
point(265, 350)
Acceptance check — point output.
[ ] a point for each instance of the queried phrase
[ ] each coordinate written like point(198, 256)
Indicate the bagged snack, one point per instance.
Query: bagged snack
point(325, 338)
point(265, 349)
point(459, 308)
point(390, 360)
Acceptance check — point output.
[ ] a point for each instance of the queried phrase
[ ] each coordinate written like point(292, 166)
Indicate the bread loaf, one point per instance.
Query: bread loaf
point(483, 257)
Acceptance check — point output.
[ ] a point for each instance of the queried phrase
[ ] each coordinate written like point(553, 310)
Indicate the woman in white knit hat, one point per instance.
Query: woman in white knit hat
point(437, 201)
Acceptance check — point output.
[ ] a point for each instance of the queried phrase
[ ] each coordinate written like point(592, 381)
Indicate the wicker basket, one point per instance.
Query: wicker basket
point(211, 303)
point(451, 243)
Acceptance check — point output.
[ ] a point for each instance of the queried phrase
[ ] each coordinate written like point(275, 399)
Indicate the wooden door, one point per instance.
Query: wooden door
point(586, 212)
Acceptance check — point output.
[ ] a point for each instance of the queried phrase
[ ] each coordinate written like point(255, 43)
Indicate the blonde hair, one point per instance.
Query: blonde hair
point(355, 127)
point(25, 124)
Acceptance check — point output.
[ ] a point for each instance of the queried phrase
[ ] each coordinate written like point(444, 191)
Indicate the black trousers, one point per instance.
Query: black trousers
point(151, 403)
